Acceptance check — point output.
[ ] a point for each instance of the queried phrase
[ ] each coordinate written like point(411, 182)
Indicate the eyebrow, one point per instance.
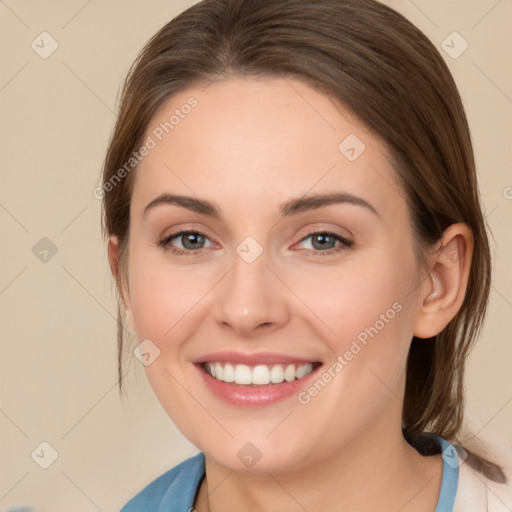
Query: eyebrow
point(287, 209)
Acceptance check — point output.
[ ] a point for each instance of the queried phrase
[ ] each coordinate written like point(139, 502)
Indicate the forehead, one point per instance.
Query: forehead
point(253, 139)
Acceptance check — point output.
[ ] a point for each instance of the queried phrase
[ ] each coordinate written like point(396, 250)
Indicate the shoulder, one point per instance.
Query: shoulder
point(477, 493)
point(470, 483)
point(173, 490)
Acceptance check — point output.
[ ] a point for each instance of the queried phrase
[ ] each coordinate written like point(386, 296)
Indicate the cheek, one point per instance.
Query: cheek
point(163, 301)
point(363, 313)
point(354, 298)
point(163, 295)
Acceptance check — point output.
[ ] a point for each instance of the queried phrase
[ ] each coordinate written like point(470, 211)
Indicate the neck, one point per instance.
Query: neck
point(376, 470)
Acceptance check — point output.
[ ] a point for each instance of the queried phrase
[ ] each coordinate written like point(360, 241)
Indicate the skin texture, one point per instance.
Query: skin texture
point(249, 146)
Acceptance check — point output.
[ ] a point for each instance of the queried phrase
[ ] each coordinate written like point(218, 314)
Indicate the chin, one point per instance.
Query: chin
point(257, 456)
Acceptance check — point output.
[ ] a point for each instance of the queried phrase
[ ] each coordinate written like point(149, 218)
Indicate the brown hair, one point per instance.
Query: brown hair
point(377, 64)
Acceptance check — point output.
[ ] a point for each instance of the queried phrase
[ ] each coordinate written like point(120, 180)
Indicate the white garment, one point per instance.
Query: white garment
point(476, 493)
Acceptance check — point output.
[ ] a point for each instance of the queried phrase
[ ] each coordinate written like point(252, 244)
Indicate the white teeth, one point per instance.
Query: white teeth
point(289, 373)
point(229, 373)
point(243, 374)
point(276, 374)
point(219, 371)
point(302, 370)
point(259, 375)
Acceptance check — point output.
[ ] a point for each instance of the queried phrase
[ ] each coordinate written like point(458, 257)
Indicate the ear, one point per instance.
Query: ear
point(124, 291)
point(442, 293)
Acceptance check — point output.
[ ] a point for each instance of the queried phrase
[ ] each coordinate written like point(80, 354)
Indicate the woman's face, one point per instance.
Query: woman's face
point(253, 292)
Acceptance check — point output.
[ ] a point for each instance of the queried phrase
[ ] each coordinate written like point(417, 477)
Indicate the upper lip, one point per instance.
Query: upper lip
point(251, 359)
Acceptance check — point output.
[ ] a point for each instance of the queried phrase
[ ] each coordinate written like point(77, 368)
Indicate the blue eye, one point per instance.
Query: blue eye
point(324, 242)
point(193, 242)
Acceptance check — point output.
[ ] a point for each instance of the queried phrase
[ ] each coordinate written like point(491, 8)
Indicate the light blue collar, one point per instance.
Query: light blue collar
point(450, 476)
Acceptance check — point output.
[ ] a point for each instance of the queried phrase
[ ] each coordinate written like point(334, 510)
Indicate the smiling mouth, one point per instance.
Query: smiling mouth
point(258, 375)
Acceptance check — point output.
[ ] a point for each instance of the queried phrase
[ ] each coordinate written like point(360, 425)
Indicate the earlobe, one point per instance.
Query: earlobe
point(113, 258)
point(444, 289)
point(113, 255)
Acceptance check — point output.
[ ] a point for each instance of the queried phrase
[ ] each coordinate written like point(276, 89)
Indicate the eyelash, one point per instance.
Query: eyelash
point(165, 243)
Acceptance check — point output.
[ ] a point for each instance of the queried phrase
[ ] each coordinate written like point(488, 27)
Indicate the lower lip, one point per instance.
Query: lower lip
point(253, 395)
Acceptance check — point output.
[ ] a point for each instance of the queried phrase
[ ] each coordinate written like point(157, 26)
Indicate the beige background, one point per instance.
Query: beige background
point(58, 344)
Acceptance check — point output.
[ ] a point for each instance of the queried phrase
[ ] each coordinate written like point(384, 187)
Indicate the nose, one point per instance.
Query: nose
point(251, 299)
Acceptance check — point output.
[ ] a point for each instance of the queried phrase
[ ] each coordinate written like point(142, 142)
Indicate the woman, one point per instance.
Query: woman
point(294, 226)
